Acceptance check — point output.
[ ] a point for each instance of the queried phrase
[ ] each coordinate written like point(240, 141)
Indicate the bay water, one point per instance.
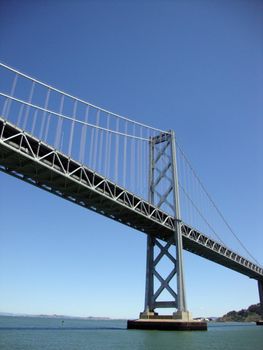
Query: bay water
point(39, 333)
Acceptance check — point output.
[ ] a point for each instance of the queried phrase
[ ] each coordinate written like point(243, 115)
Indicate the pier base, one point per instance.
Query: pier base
point(260, 323)
point(166, 323)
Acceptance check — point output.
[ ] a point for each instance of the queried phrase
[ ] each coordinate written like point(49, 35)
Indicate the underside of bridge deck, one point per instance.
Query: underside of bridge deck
point(29, 159)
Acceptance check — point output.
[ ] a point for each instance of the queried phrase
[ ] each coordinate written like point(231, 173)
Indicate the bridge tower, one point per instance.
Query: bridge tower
point(164, 195)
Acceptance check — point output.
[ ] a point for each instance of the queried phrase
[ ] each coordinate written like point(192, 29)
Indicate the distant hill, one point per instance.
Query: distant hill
point(55, 316)
point(251, 314)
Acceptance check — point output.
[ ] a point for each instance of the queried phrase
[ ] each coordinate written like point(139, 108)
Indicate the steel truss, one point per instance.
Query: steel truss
point(33, 161)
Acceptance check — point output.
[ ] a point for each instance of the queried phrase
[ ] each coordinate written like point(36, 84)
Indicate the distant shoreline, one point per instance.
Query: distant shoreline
point(8, 314)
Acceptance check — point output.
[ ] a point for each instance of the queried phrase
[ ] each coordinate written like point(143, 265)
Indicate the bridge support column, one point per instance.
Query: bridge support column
point(148, 306)
point(260, 291)
point(169, 291)
point(182, 312)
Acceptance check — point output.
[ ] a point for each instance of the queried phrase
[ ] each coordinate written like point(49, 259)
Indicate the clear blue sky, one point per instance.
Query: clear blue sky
point(191, 66)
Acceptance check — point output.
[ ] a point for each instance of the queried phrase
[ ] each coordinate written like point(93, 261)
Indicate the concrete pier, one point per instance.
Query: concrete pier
point(166, 323)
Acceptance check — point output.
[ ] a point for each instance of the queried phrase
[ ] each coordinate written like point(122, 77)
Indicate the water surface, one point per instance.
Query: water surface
point(29, 333)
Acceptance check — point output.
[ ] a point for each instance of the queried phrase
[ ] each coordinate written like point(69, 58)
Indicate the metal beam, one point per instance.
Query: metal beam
point(178, 233)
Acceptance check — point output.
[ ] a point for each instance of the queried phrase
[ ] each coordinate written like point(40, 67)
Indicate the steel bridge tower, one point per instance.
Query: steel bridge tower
point(164, 194)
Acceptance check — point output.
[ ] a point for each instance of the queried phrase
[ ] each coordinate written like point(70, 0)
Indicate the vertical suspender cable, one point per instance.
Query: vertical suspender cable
point(190, 194)
point(193, 197)
point(145, 166)
point(107, 151)
point(91, 148)
point(7, 101)
point(34, 122)
point(27, 108)
point(83, 137)
point(21, 110)
point(181, 184)
point(72, 129)
point(60, 122)
point(125, 155)
point(62, 140)
point(141, 174)
point(47, 127)
point(186, 188)
point(162, 160)
point(142, 167)
point(100, 164)
point(197, 218)
point(95, 155)
point(132, 170)
point(148, 164)
point(199, 209)
point(109, 170)
point(5, 107)
point(44, 115)
point(12, 94)
point(117, 153)
point(201, 200)
point(139, 160)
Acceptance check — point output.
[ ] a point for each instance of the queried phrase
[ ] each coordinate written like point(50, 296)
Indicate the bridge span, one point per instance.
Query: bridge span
point(124, 170)
point(29, 159)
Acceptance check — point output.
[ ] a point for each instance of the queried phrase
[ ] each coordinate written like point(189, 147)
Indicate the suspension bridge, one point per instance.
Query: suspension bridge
point(125, 170)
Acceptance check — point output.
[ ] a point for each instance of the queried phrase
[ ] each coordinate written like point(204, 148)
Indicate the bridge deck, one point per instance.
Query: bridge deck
point(29, 159)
